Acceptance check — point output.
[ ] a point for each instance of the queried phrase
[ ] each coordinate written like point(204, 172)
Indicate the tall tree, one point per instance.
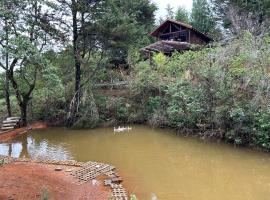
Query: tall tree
point(29, 32)
point(238, 15)
point(182, 15)
point(81, 13)
point(170, 12)
point(202, 16)
point(124, 26)
point(8, 14)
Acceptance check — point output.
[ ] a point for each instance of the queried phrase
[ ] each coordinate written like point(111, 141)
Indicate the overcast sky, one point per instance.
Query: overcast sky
point(162, 4)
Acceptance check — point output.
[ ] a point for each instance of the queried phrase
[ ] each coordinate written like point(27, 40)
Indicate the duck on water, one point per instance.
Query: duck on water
point(121, 129)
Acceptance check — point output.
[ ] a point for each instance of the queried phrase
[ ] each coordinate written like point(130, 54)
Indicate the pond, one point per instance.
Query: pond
point(157, 161)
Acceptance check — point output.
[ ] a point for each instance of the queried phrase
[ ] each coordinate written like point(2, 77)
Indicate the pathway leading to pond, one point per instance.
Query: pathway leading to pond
point(20, 180)
point(69, 180)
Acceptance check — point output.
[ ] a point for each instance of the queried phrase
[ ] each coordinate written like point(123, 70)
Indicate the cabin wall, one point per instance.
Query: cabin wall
point(196, 39)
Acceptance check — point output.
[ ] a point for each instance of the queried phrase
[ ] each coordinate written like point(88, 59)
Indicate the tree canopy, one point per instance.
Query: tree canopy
point(182, 15)
point(202, 17)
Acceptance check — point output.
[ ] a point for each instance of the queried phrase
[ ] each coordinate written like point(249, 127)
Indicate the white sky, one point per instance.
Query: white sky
point(162, 4)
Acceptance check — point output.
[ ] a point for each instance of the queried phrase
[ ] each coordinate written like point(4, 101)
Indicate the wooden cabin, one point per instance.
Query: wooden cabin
point(175, 36)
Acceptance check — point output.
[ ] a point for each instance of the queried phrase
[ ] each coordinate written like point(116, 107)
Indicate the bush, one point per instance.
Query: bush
point(224, 89)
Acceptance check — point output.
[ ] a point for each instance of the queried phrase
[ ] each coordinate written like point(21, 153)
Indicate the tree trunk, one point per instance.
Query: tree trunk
point(23, 108)
point(7, 66)
point(7, 96)
point(77, 83)
point(74, 106)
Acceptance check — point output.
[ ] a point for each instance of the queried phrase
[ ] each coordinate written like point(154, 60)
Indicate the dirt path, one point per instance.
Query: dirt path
point(19, 180)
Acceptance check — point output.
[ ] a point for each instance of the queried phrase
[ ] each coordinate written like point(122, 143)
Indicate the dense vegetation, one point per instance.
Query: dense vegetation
point(59, 68)
point(221, 92)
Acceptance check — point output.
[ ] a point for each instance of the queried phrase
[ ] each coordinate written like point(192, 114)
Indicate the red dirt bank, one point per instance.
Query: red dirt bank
point(20, 131)
point(30, 181)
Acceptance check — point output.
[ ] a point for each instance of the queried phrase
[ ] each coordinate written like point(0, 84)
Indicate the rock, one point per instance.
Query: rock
point(58, 169)
point(107, 182)
point(95, 182)
point(117, 180)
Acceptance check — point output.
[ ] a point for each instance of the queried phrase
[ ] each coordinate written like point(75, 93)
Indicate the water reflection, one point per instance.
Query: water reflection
point(29, 147)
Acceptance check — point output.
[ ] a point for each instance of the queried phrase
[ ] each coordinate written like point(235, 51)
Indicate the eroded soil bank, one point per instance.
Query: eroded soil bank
point(8, 135)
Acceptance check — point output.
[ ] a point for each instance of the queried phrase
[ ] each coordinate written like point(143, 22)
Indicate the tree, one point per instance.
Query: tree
point(170, 12)
point(182, 15)
point(7, 16)
point(29, 32)
point(103, 29)
point(81, 13)
point(238, 15)
point(124, 26)
point(202, 17)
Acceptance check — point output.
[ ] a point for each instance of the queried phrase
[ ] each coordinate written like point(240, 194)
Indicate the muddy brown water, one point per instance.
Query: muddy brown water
point(157, 161)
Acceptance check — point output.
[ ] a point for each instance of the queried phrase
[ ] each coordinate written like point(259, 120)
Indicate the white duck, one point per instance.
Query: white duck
point(121, 129)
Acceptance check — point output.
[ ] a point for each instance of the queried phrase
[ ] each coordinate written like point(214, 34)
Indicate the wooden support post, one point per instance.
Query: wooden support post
point(150, 58)
point(189, 35)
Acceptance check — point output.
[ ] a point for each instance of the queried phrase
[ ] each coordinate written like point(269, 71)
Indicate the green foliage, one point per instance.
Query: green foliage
point(256, 14)
point(262, 127)
point(2, 162)
point(123, 25)
point(223, 91)
point(184, 108)
point(133, 197)
point(182, 15)
point(153, 104)
point(160, 60)
point(202, 17)
point(44, 194)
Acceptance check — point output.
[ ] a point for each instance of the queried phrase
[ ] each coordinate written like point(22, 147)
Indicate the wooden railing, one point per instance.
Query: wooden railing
point(112, 84)
point(174, 35)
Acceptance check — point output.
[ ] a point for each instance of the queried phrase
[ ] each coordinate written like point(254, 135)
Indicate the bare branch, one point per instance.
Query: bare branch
point(2, 44)
point(2, 66)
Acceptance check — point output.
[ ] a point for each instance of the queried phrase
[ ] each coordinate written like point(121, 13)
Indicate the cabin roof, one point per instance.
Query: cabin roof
point(164, 24)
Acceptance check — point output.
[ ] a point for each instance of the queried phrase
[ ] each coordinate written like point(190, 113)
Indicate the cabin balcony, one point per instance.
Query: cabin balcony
point(180, 36)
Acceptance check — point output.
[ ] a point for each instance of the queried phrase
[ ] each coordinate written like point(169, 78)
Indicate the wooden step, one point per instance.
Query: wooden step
point(7, 128)
point(10, 121)
point(8, 125)
point(13, 118)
